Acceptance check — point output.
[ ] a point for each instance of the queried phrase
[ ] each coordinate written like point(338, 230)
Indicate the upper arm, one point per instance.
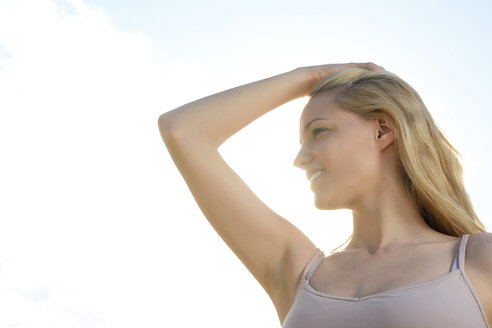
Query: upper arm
point(258, 236)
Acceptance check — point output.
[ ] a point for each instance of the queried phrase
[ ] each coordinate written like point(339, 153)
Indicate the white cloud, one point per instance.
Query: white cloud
point(79, 105)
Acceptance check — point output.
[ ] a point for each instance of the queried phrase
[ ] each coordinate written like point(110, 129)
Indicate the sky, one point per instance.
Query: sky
point(97, 226)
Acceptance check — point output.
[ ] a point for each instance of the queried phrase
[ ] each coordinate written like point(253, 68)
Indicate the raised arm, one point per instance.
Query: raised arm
point(217, 117)
point(271, 248)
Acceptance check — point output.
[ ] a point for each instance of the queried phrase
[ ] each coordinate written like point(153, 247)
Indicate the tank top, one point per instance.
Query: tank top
point(446, 301)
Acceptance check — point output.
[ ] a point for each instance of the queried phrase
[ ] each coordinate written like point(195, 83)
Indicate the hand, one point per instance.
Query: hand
point(319, 72)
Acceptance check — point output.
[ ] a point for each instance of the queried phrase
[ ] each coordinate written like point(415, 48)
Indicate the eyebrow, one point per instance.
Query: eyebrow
point(307, 125)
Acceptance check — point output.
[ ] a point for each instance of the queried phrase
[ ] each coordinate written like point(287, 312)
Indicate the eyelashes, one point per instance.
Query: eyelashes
point(315, 133)
point(318, 129)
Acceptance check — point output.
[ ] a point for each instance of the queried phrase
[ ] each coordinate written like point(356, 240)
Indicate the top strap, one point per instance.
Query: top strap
point(455, 262)
point(462, 251)
point(313, 264)
point(319, 256)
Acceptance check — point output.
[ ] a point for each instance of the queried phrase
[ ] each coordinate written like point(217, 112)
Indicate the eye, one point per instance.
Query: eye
point(316, 130)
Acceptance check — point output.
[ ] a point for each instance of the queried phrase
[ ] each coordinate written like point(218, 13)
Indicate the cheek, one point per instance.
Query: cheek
point(356, 166)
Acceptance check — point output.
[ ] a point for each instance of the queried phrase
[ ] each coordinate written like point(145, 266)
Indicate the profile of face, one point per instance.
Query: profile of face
point(348, 150)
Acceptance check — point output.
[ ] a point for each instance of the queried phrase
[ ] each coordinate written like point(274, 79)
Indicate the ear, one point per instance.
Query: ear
point(385, 131)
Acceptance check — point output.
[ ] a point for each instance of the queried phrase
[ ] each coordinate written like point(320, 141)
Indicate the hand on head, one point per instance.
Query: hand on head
point(319, 72)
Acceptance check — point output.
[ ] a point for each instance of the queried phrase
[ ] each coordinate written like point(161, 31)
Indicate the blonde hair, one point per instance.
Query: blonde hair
point(429, 164)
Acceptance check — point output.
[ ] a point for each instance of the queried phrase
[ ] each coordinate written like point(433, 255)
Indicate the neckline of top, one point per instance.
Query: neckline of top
point(311, 289)
point(356, 299)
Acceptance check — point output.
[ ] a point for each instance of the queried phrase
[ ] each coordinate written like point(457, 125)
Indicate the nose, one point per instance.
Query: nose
point(301, 159)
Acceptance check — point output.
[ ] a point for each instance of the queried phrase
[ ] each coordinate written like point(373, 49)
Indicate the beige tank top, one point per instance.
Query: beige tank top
point(446, 301)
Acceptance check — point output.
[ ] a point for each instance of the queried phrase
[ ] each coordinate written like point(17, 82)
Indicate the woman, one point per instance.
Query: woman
point(368, 144)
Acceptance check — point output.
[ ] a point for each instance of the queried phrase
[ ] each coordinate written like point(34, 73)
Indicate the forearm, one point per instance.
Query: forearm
point(219, 116)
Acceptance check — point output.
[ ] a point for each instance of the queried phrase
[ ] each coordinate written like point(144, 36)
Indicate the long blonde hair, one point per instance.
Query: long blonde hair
point(429, 164)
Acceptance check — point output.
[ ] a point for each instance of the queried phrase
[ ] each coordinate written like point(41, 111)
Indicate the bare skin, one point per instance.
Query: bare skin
point(274, 251)
point(392, 246)
point(362, 175)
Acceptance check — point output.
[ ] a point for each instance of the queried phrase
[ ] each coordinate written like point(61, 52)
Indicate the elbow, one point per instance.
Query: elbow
point(165, 129)
point(168, 129)
point(164, 123)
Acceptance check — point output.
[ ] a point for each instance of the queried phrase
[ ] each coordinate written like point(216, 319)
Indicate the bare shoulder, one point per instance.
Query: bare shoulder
point(479, 252)
point(478, 267)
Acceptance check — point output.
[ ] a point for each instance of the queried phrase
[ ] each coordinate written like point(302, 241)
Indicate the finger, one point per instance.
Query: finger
point(374, 67)
point(370, 66)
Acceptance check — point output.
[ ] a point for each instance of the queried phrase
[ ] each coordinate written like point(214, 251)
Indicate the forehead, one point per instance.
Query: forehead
point(322, 105)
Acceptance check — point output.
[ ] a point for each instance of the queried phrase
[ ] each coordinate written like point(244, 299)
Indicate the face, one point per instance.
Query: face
point(345, 146)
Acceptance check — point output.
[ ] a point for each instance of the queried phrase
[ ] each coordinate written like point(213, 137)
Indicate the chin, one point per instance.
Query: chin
point(323, 204)
point(328, 201)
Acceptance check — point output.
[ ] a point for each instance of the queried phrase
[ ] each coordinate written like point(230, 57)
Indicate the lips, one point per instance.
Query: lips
point(309, 173)
point(315, 172)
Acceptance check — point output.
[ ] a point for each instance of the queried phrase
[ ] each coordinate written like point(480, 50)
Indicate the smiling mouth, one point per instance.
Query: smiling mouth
point(316, 175)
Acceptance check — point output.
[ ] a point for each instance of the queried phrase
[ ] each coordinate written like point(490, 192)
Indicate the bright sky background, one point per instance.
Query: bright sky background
point(98, 228)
